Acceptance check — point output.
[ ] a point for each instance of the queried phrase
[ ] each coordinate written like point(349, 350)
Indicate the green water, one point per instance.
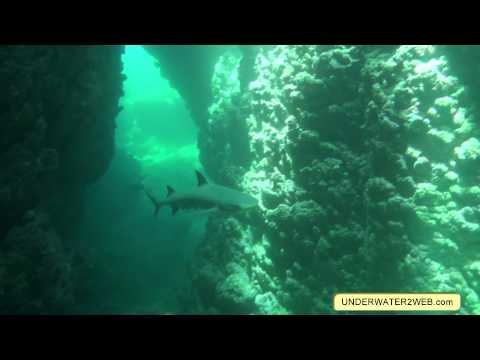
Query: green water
point(141, 260)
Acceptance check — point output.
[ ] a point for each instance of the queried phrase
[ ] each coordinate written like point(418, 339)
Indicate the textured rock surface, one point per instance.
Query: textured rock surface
point(57, 121)
point(365, 160)
point(208, 82)
point(189, 68)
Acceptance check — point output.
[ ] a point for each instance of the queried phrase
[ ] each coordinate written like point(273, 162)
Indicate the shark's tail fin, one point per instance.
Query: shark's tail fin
point(155, 202)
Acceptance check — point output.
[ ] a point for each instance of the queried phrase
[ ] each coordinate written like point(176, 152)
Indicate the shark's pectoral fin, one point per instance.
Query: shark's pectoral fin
point(200, 178)
point(170, 191)
point(174, 209)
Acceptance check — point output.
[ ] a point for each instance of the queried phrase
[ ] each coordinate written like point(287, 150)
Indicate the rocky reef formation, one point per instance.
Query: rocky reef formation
point(57, 122)
point(366, 163)
point(189, 68)
point(202, 76)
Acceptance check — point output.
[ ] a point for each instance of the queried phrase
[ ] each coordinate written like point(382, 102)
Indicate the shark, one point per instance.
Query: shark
point(205, 196)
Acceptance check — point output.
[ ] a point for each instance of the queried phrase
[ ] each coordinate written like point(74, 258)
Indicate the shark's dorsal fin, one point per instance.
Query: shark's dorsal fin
point(201, 179)
point(170, 191)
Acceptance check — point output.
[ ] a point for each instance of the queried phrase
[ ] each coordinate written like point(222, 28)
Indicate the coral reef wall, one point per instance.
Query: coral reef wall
point(366, 162)
point(196, 72)
point(189, 69)
point(57, 122)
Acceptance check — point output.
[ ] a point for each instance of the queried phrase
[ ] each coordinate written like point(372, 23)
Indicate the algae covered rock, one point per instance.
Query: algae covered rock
point(365, 161)
point(236, 291)
point(36, 272)
point(468, 156)
point(57, 124)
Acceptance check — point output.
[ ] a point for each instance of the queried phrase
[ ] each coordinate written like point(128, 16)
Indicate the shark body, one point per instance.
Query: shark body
point(204, 196)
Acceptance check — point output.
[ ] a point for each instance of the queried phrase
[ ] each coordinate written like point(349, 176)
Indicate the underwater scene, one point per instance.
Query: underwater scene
point(237, 179)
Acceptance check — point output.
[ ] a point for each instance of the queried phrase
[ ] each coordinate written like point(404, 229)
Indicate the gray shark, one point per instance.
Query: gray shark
point(204, 196)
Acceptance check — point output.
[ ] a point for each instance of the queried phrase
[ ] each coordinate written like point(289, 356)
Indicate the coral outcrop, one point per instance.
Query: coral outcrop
point(365, 162)
point(189, 68)
point(57, 122)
